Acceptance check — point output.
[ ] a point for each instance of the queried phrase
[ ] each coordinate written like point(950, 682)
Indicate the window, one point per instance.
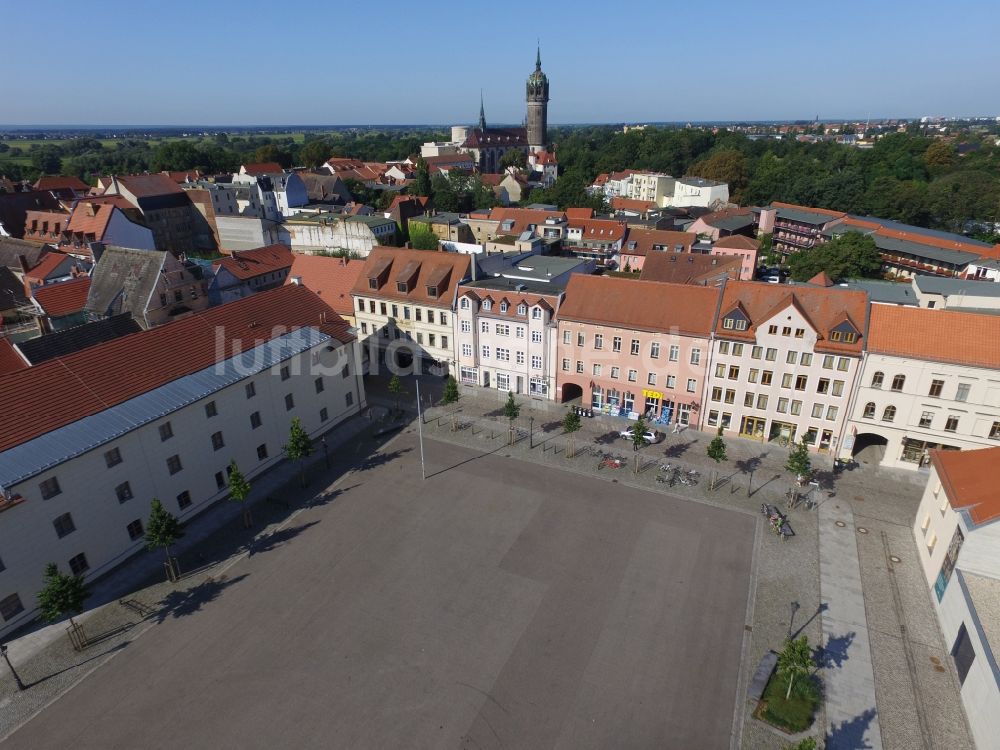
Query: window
point(800, 332)
point(635, 347)
point(651, 379)
point(720, 370)
point(466, 350)
point(748, 400)
point(466, 326)
point(800, 382)
point(615, 372)
point(364, 328)
point(565, 365)
point(796, 408)
point(536, 313)
point(289, 402)
point(737, 350)
point(64, 525)
point(695, 356)
point(730, 396)
point(580, 339)
point(285, 372)
point(713, 418)
point(78, 564)
point(519, 331)
point(823, 386)
point(174, 464)
point(755, 352)
point(716, 394)
point(995, 431)
point(633, 375)
point(951, 423)
point(734, 372)
point(936, 387)
point(782, 405)
point(442, 318)
point(112, 457)
point(675, 353)
point(843, 363)
point(898, 382)
point(220, 480)
point(503, 354)
point(262, 451)
point(522, 309)
point(753, 375)
point(255, 420)
point(791, 357)
point(134, 529)
point(723, 347)
point(654, 350)
point(771, 354)
point(616, 344)
point(786, 331)
point(761, 400)
point(877, 379)
point(536, 362)
point(889, 414)
point(420, 338)
point(597, 370)
point(323, 414)
point(786, 380)
point(598, 340)
point(838, 387)
point(765, 377)
point(806, 359)
point(251, 390)
point(926, 418)
point(211, 410)
point(184, 499)
point(318, 383)
point(10, 606)
point(566, 337)
point(418, 314)
point(502, 329)
point(869, 412)
point(773, 330)
point(166, 431)
point(817, 411)
point(671, 381)
point(124, 492)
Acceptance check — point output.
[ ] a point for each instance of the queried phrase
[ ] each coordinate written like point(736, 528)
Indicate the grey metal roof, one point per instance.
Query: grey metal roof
point(888, 292)
point(920, 250)
point(53, 448)
point(501, 284)
point(936, 233)
point(806, 217)
point(948, 287)
point(732, 223)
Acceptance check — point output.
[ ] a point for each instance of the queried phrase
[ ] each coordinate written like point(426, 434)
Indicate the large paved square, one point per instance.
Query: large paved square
point(498, 604)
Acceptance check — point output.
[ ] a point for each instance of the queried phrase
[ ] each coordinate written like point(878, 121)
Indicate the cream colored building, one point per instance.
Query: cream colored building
point(931, 379)
point(219, 386)
point(329, 232)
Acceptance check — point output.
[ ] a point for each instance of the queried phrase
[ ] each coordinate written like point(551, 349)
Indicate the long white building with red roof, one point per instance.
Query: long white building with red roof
point(89, 439)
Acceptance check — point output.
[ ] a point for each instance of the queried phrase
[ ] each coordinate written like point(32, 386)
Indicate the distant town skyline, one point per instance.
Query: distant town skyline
point(251, 64)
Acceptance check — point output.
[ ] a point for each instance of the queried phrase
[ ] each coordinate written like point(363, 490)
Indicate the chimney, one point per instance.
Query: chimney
point(23, 262)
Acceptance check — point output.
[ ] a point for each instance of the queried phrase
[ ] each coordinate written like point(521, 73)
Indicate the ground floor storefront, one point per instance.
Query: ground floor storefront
point(537, 386)
point(765, 430)
point(896, 449)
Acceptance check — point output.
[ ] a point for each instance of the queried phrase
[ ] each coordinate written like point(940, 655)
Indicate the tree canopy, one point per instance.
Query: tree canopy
point(62, 594)
point(848, 256)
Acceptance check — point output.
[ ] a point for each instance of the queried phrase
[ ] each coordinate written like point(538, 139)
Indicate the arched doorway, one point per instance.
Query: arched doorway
point(571, 392)
point(869, 448)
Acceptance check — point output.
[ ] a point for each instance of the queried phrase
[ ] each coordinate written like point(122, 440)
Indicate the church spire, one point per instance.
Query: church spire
point(538, 57)
point(482, 112)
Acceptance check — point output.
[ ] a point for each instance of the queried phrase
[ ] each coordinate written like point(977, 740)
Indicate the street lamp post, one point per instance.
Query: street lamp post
point(17, 678)
point(795, 607)
point(531, 432)
point(326, 455)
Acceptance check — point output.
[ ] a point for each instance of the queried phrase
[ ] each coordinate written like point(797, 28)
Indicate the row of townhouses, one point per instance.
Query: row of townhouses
point(766, 362)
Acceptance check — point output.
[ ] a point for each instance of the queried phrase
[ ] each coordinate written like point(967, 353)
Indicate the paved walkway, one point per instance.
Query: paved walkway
point(846, 657)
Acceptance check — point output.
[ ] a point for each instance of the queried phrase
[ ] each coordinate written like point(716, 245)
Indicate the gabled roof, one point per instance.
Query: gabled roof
point(969, 479)
point(821, 279)
point(68, 340)
point(49, 266)
point(531, 295)
point(11, 249)
point(738, 242)
point(123, 280)
point(10, 360)
point(642, 305)
point(14, 207)
point(149, 185)
point(260, 168)
point(247, 264)
point(646, 241)
point(330, 278)
point(632, 204)
point(490, 137)
point(61, 182)
point(599, 229)
point(63, 298)
point(422, 266)
point(688, 268)
point(958, 337)
point(66, 389)
point(516, 220)
point(824, 308)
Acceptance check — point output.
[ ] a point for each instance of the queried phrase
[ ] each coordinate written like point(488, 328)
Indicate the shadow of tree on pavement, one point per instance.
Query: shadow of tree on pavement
point(677, 449)
point(834, 653)
point(277, 538)
point(379, 459)
point(750, 465)
point(187, 602)
point(851, 734)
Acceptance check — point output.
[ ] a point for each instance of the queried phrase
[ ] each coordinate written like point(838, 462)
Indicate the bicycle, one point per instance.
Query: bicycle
point(611, 462)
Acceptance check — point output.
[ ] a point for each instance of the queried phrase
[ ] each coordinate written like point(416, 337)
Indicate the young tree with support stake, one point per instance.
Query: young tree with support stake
point(450, 394)
point(162, 530)
point(396, 388)
point(570, 424)
point(638, 439)
point(239, 491)
point(299, 447)
point(717, 452)
point(795, 660)
point(62, 594)
point(511, 410)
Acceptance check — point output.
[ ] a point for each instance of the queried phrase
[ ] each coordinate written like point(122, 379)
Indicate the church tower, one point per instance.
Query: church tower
point(538, 106)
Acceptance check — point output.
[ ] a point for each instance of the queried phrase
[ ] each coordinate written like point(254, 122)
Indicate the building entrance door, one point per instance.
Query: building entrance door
point(486, 378)
point(752, 427)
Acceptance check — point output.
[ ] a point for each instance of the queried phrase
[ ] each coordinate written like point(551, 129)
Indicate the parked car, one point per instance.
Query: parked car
point(773, 280)
point(651, 436)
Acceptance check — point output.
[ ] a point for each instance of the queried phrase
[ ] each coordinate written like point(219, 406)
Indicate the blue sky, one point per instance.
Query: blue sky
point(247, 62)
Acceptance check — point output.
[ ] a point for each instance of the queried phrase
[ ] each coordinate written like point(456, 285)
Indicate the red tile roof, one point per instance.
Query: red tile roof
point(642, 305)
point(632, 204)
point(825, 309)
point(90, 218)
point(513, 297)
point(246, 264)
point(955, 336)
point(186, 176)
point(263, 167)
point(599, 229)
point(969, 479)
point(738, 241)
point(149, 185)
point(63, 298)
point(522, 217)
point(654, 240)
point(61, 182)
point(66, 389)
point(331, 278)
point(422, 267)
point(821, 279)
point(118, 201)
point(688, 268)
point(579, 213)
point(10, 360)
point(47, 265)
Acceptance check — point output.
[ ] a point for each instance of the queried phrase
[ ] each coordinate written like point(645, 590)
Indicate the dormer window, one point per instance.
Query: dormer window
point(403, 287)
point(504, 307)
point(465, 303)
point(373, 283)
point(487, 305)
point(432, 291)
point(522, 309)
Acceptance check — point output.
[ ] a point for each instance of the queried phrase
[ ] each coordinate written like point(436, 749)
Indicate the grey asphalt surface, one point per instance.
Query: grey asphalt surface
point(498, 604)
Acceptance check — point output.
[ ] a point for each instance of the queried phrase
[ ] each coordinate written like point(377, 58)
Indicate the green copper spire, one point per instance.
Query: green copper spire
point(482, 112)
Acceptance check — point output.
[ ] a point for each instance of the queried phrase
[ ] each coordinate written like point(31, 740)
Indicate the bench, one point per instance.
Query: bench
point(143, 610)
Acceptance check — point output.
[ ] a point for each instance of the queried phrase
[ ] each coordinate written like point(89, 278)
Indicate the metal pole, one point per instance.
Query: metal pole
point(17, 678)
point(531, 432)
point(420, 432)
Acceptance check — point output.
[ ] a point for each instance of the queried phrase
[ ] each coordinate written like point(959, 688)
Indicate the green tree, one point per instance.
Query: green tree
point(939, 155)
point(422, 237)
point(162, 530)
point(717, 452)
point(728, 165)
point(239, 491)
point(396, 388)
point(570, 424)
point(62, 594)
point(47, 159)
point(514, 158)
point(315, 152)
point(450, 394)
point(799, 462)
point(511, 410)
point(795, 660)
point(849, 255)
point(422, 179)
point(273, 152)
point(299, 447)
point(806, 743)
point(639, 441)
